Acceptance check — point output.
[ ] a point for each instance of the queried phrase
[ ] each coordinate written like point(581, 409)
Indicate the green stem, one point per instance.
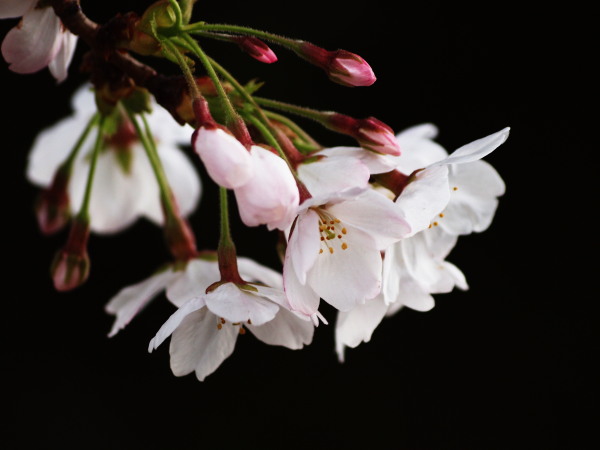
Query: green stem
point(225, 239)
point(171, 49)
point(283, 41)
point(84, 215)
point(229, 110)
point(67, 166)
point(319, 116)
point(266, 133)
point(303, 135)
point(178, 15)
point(150, 148)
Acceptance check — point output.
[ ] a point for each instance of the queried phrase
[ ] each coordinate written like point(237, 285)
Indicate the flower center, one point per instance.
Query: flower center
point(221, 322)
point(332, 233)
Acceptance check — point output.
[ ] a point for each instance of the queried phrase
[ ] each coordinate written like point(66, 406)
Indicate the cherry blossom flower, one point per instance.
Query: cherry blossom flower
point(124, 187)
point(39, 40)
point(205, 327)
point(271, 196)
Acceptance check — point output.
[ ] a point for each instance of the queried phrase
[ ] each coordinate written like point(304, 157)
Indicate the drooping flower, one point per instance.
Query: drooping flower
point(271, 196)
point(124, 187)
point(205, 327)
point(39, 40)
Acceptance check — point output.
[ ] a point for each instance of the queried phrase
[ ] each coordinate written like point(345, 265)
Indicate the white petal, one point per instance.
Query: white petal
point(237, 305)
point(15, 8)
point(227, 161)
point(83, 101)
point(476, 149)
point(31, 45)
point(304, 243)
point(473, 204)
point(346, 278)
point(198, 345)
point(418, 148)
point(333, 174)
point(250, 270)
point(183, 179)
point(357, 325)
point(52, 146)
point(300, 296)
point(375, 214)
point(60, 64)
point(192, 281)
point(286, 329)
point(132, 299)
point(414, 296)
point(375, 162)
point(424, 198)
point(173, 322)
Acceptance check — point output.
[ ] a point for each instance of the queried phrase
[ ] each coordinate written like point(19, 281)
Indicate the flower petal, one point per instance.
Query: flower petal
point(34, 42)
point(251, 271)
point(300, 296)
point(476, 149)
point(132, 299)
point(424, 198)
point(192, 281)
point(198, 345)
point(418, 148)
point(175, 320)
point(304, 243)
point(286, 329)
point(347, 277)
point(60, 64)
point(15, 8)
point(374, 214)
point(473, 200)
point(375, 162)
point(333, 174)
point(357, 325)
point(238, 305)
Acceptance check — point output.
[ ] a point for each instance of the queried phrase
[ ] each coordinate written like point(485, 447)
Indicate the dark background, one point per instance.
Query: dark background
point(505, 365)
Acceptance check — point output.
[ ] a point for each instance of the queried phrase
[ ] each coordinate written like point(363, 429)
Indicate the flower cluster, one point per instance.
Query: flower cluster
point(366, 229)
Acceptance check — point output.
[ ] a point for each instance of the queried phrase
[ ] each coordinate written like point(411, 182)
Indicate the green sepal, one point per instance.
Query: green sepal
point(125, 159)
point(138, 102)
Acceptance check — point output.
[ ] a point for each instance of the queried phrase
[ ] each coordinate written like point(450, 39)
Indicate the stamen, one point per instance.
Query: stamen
point(331, 250)
point(441, 214)
point(219, 326)
point(344, 246)
point(339, 236)
point(223, 320)
point(242, 330)
point(344, 231)
point(455, 188)
point(435, 224)
point(320, 251)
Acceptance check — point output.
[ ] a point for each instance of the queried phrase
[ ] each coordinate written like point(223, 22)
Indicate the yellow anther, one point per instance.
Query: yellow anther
point(429, 226)
point(242, 330)
point(441, 214)
point(330, 249)
point(339, 236)
point(219, 326)
point(337, 221)
point(455, 188)
point(223, 320)
point(344, 246)
point(320, 251)
point(435, 224)
point(344, 231)
point(331, 222)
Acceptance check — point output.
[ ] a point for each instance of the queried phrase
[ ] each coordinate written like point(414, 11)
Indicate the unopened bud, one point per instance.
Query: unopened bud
point(257, 49)
point(371, 133)
point(71, 265)
point(341, 66)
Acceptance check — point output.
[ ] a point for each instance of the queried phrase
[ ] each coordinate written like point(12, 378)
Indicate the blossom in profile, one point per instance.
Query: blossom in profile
point(125, 186)
point(39, 40)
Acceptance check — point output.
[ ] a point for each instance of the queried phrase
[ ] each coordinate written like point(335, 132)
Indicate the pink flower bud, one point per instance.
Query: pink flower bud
point(375, 135)
point(371, 133)
point(257, 49)
point(341, 66)
point(227, 161)
point(71, 265)
point(271, 197)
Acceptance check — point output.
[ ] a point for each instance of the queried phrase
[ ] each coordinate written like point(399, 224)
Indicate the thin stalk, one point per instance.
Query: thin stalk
point(302, 111)
point(84, 214)
point(303, 135)
point(185, 68)
point(281, 40)
point(67, 165)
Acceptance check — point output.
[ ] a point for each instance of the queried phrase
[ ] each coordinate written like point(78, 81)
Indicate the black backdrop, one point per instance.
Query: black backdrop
point(505, 365)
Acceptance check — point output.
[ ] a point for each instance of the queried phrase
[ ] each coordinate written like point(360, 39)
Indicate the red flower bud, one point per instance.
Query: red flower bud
point(371, 133)
point(71, 265)
point(52, 205)
point(257, 49)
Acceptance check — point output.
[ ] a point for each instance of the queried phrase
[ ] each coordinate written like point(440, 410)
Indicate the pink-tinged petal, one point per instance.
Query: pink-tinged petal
point(424, 198)
point(375, 162)
point(192, 281)
point(237, 305)
point(251, 271)
point(286, 329)
point(357, 325)
point(473, 198)
point(304, 243)
point(418, 148)
point(476, 149)
point(227, 161)
point(348, 271)
point(31, 45)
point(414, 296)
point(15, 8)
point(333, 174)
point(198, 345)
point(175, 320)
point(60, 64)
point(132, 299)
point(52, 146)
point(300, 296)
point(374, 214)
point(271, 197)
